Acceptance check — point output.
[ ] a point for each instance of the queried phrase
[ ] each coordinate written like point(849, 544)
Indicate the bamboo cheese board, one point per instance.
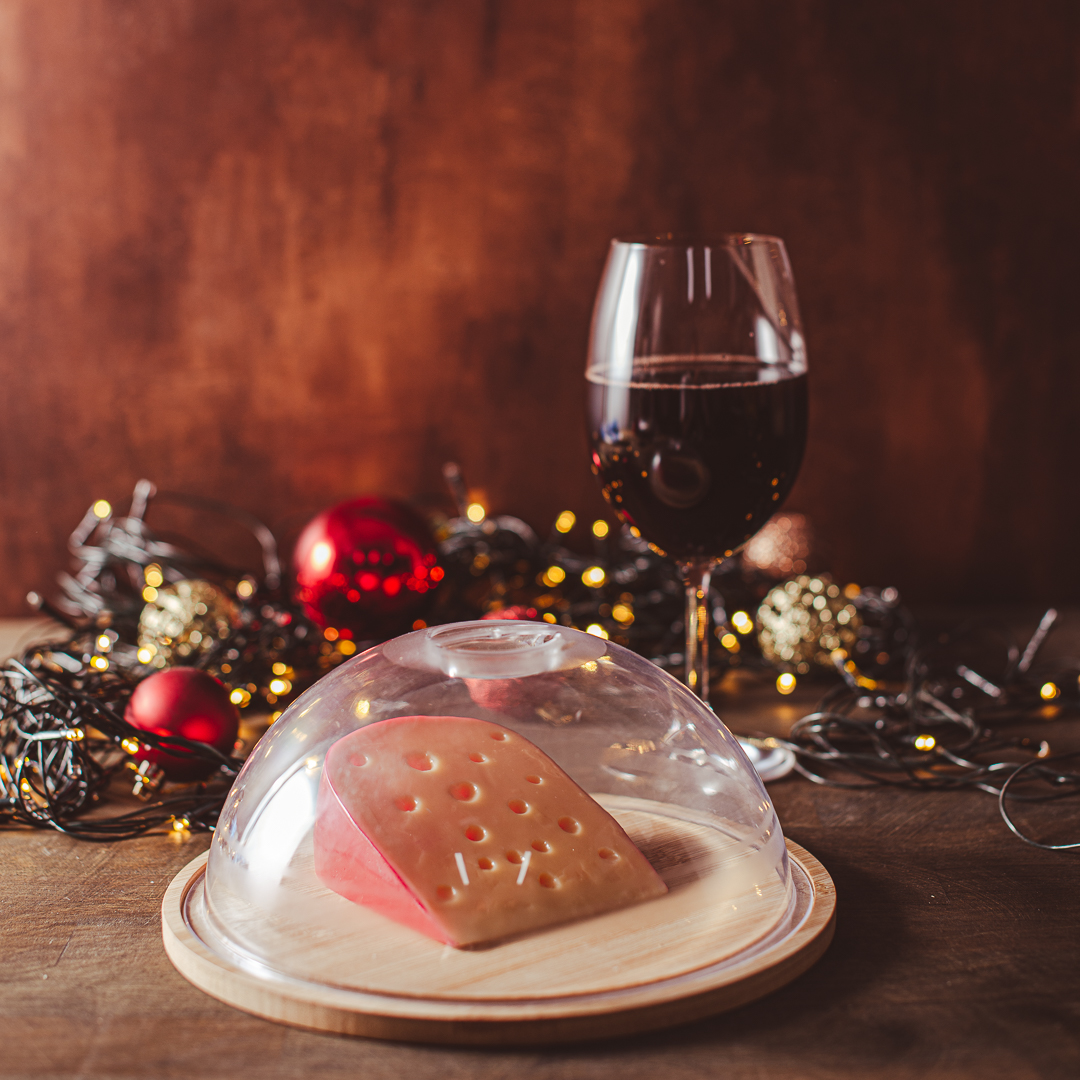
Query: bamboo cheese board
point(718, 939)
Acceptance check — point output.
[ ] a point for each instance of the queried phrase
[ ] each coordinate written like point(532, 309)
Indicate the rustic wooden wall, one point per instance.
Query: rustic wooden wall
point(280, 251)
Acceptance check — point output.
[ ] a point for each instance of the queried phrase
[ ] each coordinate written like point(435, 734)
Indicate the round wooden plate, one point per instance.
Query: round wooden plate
point(709, 945)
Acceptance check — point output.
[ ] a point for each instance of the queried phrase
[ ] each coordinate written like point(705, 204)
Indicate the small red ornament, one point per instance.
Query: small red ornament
point(188, 702)
point(365, 567)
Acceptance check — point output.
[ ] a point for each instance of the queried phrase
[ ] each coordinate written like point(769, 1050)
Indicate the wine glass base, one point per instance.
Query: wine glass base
point(771, 762)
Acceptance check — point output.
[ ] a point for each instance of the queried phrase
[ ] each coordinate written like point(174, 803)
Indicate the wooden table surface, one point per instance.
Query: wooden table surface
point(957, 954)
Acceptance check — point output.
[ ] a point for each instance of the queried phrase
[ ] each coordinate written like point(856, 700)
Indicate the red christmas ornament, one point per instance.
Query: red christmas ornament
point(187, 702)
point(365, 567)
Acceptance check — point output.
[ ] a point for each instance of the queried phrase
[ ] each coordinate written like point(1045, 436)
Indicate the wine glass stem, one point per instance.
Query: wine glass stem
point(697, 575)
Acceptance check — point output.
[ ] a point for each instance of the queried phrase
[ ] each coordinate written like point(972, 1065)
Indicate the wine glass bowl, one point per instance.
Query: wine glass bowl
point(697, 399)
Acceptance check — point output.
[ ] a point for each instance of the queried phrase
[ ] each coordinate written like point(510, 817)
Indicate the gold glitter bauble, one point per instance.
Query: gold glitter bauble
point(184, 620)
point(803, 620)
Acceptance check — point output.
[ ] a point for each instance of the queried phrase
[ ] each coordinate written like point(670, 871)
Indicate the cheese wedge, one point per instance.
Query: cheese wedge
point(468, 832)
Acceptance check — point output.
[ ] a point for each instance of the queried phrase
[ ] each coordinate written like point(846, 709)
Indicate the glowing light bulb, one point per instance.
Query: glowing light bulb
point(476, 512)
point(244, 588)
point(102, 509)
point(742, 622)
point(785, 682)
point(600, 528)
point(565, 521)
point(153, 576)
point(553, 575)
point(596, 630)
point(322, 555)
point(146, 654)
point(594, 577)
point(925, 742)
point(729, 641)
point(1048, 691)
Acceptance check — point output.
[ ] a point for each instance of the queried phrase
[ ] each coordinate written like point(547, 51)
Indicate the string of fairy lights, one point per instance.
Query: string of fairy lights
point(897, 712)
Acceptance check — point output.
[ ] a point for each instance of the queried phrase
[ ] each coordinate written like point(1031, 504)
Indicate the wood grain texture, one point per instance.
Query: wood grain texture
point(284, 252)
point(955, 955)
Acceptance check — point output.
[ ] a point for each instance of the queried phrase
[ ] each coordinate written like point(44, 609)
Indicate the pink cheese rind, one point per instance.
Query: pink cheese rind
point(468, 832)
point(350, 864)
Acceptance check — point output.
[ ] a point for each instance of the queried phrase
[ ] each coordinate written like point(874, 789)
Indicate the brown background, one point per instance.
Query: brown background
point(282, 252)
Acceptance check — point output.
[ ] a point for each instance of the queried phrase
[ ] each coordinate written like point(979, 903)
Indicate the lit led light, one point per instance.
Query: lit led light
point(104, 643)
point(279, 668)
point(149, 594)
point(622, 613)
point(330, 634)
point(476, 513)
point(549, 618)
point(565, 521)
point(785, 683)
point(74, 735)
point(600, 528)
point(99, 663)
point(146, 654)
point(153, 575)
point(240, 697)
point(322, 555)
point(244, 589)
point(596, 630)
point(280, 686)
point(180, 825)
point(102, 509)
point(594, 577)
point(130, 745)
point(1048, 691)
point(742, 622)
point(852, 591)
point(729, 641)
point(553, 575)
point(346, 647)
point(925, 742)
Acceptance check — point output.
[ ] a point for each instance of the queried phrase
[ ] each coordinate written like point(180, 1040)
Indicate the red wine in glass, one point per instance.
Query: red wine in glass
point(697, 401)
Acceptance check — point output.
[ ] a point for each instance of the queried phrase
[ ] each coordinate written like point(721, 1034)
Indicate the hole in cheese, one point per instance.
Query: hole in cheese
point(607, 853)
point(514, 857)
point(485, 864)
point(474, 832)
point(533, 779)
point(405, 802)
point(568, 824)
point(475, 756)
point(420, 762)
point(540, 845)
point(519, 806)
point(463, 792)
point(547, 881)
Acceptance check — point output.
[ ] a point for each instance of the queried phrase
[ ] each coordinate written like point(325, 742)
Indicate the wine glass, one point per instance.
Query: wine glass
point(697, 401)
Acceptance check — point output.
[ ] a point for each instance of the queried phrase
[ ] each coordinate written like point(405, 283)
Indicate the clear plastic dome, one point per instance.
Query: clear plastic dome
point(654, 758)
